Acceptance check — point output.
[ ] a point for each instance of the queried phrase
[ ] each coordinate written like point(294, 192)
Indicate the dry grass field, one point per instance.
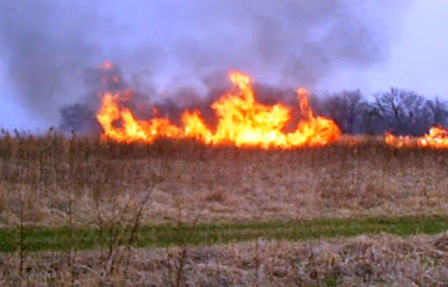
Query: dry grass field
point(380, 260)
point(44, 180)
point(56, 182)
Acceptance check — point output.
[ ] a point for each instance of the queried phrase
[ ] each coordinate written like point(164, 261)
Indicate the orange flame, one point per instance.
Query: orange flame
point(242, 121)
point(398, 141)
point(437, 138)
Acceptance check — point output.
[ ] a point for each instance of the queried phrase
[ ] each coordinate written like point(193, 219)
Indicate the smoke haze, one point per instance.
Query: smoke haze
point(47, 45)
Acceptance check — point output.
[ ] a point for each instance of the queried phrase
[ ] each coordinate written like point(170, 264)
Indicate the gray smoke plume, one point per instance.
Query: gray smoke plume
point(48, 44)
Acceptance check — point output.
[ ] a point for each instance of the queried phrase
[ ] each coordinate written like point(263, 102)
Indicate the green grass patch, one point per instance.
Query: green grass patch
point(40, 239)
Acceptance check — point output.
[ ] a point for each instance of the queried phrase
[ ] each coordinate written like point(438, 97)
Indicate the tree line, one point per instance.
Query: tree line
point(398, 111)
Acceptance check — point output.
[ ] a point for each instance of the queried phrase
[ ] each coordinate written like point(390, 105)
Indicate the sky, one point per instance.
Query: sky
point(327, 46)
point(418, 54)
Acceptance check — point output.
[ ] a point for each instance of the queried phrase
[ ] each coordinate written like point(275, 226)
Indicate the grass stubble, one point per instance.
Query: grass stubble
point(119, 191)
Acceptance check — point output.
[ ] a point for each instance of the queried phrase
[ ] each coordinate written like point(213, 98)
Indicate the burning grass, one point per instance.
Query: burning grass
point(241, 121)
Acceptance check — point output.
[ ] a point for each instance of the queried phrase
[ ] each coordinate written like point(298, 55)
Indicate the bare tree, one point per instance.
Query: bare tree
point(400, 112)
point(346, 109)
point(439, 112)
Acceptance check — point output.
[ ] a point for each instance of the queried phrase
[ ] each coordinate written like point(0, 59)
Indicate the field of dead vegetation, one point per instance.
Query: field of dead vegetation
point(79, 184)
point(46, 181)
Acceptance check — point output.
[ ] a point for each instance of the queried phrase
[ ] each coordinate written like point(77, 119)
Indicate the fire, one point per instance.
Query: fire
point(398, 141)
point(436, 138)
point(242, 121)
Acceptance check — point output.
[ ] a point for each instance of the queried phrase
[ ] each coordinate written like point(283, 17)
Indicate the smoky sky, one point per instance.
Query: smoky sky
point(48, 44)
